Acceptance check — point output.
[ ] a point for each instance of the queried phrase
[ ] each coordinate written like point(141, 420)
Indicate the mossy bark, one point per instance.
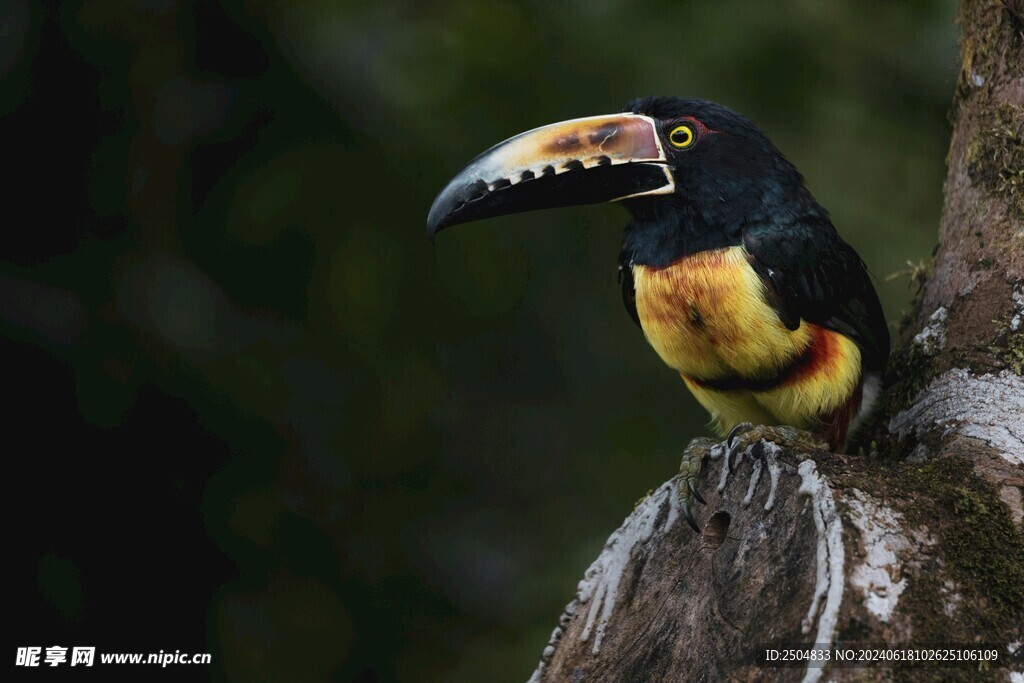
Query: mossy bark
point(930, 510)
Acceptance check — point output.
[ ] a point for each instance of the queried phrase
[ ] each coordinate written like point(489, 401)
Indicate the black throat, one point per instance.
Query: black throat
point(715, 215)
point(662, 232)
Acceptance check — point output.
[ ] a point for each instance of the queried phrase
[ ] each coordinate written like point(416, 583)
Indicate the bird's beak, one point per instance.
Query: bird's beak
point(582, 161)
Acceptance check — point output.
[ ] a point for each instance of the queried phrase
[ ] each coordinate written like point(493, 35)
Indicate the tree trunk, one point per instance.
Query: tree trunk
point(918, 542)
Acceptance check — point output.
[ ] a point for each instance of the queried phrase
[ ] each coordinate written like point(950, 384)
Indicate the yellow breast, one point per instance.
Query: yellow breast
point(707, 317)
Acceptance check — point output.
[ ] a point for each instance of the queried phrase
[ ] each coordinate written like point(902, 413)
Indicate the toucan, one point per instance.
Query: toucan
point(731, 268)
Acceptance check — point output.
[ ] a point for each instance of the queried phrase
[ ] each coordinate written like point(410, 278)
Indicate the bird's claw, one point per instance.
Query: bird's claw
point(735, 444)
point(689, 470)
point(735, 432)
point(746, 437)
point(696, 494)
point(688, 516)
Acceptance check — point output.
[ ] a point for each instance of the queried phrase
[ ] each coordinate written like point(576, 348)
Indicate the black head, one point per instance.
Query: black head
point(728, 176)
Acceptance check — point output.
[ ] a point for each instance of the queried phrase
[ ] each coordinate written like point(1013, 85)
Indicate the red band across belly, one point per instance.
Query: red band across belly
point(812, 360)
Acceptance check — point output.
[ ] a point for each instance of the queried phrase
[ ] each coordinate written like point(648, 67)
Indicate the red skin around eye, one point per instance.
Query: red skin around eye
point(699, 126)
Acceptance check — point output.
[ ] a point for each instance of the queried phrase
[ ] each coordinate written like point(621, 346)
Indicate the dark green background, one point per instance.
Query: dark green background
point(253, 411)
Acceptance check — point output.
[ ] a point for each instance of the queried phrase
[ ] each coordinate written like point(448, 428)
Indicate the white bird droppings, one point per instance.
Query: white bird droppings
point(769, 459)
point(876, 577)
point(828, 584)
point(600, 584)
point(755, 476)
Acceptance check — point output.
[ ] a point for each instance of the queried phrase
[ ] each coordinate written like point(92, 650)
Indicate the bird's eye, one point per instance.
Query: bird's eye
point(681, 137)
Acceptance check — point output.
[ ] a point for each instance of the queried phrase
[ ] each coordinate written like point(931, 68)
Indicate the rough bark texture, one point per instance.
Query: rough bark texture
point(920, 540)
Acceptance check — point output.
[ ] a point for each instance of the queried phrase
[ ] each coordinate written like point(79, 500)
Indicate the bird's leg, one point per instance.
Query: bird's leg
point(689, 470)
point(745, 435)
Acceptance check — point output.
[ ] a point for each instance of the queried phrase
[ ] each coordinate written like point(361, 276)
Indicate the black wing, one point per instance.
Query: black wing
point(628, 289)
point(818, 277)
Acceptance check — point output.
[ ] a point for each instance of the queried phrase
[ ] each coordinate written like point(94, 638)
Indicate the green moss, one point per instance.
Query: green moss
point(983, 553)
point(989, 44)
point(984, 263)
point(910, 373)
point(995, 158)
point(1014, 354)
point(1009, 346)
point(988, 33)
point(980, 550)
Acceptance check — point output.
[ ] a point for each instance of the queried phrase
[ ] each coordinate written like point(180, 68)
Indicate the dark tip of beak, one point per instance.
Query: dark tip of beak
point(445, 210)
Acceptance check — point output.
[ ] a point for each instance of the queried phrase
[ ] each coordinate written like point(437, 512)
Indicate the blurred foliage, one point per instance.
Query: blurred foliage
point(257, 413)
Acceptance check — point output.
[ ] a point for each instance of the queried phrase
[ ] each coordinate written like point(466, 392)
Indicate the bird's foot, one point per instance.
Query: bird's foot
point(744, 439)
point(689, 470)
point(744, 436)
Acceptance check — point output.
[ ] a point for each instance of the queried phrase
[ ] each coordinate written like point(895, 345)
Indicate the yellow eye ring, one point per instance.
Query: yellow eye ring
point(681, 137)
